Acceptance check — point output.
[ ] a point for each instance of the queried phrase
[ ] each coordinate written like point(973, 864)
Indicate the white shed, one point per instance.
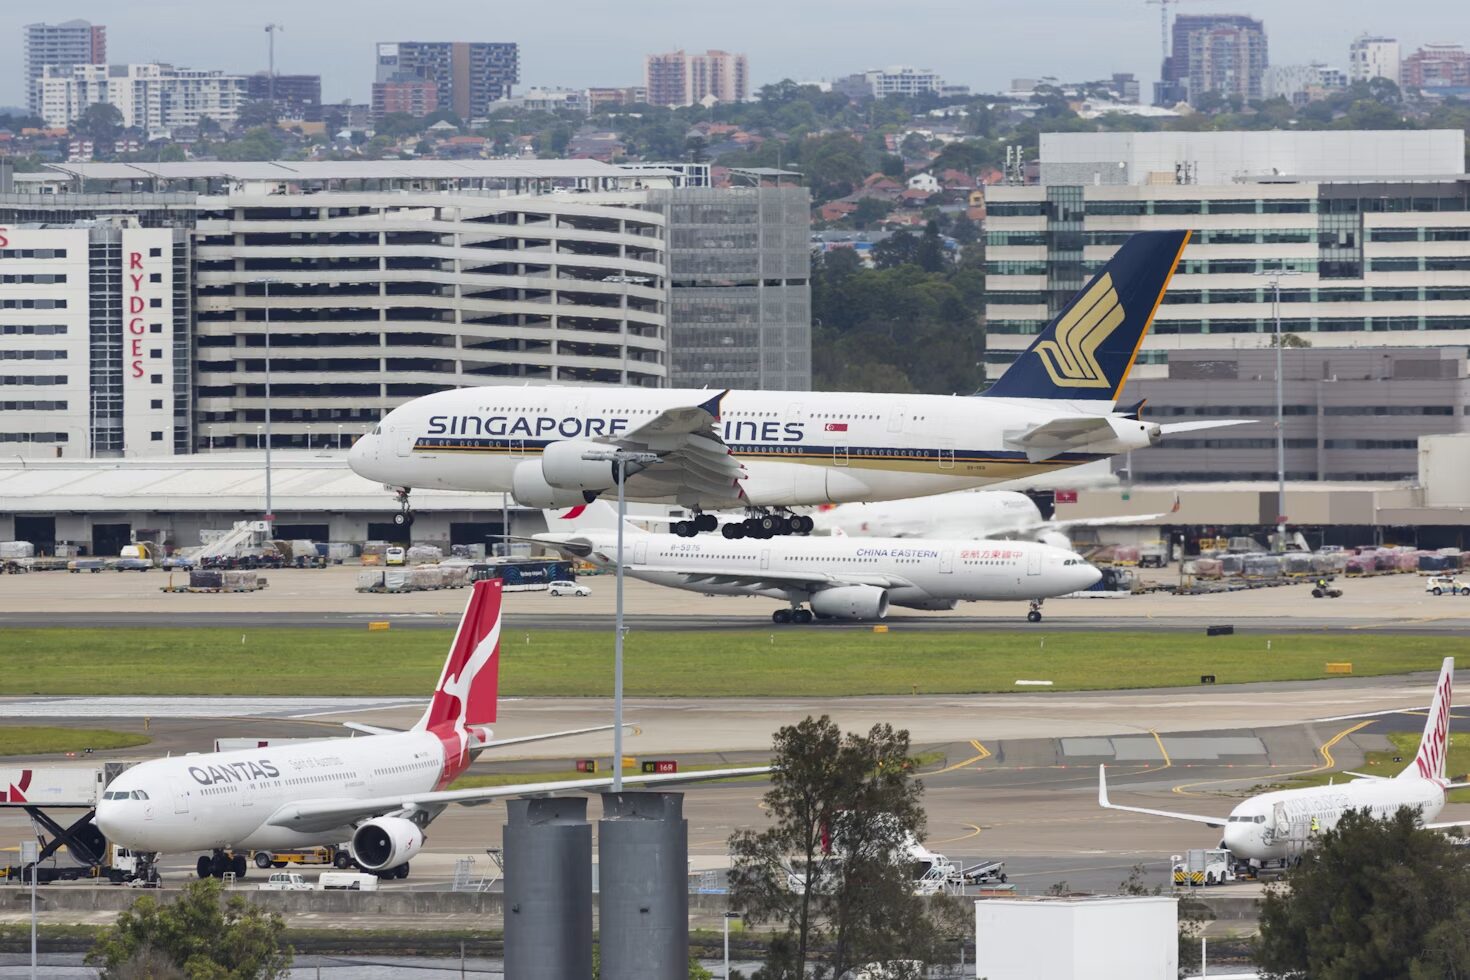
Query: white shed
point(1102, 938)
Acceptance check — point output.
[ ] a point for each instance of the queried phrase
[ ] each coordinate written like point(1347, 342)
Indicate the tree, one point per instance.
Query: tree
point(696, 149)
point(1371, 900)
point(899, 248)
point(929, 253)
point(194, 936)
point(257, 112)
point(844, 810)
point(399, 124)
point(1289, 340)
point(100, 122)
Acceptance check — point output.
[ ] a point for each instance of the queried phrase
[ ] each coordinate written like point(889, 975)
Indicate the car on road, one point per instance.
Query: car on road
point(563, 587)
point(286, 881)
point(1440, 584)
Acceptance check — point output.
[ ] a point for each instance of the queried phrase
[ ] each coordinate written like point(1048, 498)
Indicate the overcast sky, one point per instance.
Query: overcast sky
point(981, 43)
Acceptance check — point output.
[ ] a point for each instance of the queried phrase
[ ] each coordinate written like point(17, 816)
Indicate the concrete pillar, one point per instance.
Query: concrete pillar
point(643, 876)
point(548, 889)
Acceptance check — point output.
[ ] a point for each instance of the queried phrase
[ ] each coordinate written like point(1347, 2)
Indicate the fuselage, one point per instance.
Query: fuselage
point(929, 574)
point(224, 799)
point(977, 514)
point(797, 448)
point(1280, 824)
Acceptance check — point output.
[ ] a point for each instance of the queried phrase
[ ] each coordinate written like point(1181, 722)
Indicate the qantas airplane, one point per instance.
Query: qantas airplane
point(768, 451)
point(827, 577)
point(379, 791)
point(967, 514)
point(1279, 825)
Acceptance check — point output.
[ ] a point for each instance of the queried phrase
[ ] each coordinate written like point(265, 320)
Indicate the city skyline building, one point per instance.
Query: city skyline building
point(901, 80)
point(1436, 66)
point(1373, 56)
point(677, 78)
point(155, 98)
point(1223, 53)
point(296, 96)
point(468, 75)
point(73, 42)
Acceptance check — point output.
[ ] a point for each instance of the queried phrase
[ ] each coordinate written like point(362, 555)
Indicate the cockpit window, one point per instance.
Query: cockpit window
point(1261, 818)
point(377, 430)
point(138, 794)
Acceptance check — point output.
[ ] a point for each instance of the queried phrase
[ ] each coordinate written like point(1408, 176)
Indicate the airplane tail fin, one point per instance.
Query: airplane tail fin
point(1429, 762)
point(1086, 352)
point(469, 685)
point(596, 516)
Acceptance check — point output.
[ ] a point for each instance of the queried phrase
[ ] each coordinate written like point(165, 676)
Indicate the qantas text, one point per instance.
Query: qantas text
point(234, 772)
point(550, 427)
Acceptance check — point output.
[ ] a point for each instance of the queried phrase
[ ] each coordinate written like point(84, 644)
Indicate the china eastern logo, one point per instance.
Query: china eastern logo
point(1071, 359)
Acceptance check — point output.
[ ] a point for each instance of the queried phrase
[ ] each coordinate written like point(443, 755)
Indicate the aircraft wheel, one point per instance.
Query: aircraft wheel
point(1033, 616)
point(203, 865)
point(768, 523)
point(681, 529)
point(239, 865)
point(784, 525)
point(219, 864)
point(733, 531)
point(781, 616)
point(342, 861)
point(803, 524)
point(401, 871)
point(706, 522)
point(262, 859)
point(802, 616)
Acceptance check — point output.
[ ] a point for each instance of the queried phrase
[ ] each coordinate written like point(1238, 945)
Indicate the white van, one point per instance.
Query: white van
point(394, 556)
point(353, 881)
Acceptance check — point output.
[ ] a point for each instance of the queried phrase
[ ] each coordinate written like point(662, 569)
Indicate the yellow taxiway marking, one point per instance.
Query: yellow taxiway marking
point(984, 754)
point(974, 832)
point(1327, 762)
point(1162, 751)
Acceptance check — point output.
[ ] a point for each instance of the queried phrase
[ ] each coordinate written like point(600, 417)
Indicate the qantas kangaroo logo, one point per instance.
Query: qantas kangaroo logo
point(467, 691)
point(1071, 359)
point(1431, 758)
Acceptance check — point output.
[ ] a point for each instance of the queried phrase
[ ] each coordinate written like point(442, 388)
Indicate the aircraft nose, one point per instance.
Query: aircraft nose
point(363, 454)
point(107, 818)
point(1085, 576)
point(1237, 838)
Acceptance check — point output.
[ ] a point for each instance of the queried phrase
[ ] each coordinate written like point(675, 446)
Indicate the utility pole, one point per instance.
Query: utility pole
point(1274, 283)
point(270, 79)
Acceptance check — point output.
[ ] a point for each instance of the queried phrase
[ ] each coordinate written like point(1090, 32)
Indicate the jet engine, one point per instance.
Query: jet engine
point(851, 602)
point(563, 466)
point(386, 842)
point(530, 489)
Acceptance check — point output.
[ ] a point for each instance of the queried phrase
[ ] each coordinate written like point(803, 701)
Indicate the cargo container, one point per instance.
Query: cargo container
point(1089, 938)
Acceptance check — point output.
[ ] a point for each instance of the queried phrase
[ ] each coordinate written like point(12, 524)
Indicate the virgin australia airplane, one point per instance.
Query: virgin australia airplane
point(379, 791)
point(1279, 825)
point(836, 577)
point(767, 451)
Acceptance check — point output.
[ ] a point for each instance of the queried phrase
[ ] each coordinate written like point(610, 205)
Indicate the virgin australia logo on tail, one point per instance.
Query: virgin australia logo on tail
point(1071, 359)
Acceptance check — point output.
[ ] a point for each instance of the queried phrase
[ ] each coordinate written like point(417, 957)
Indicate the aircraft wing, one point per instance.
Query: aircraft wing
point(757, 578)
point(315, 816)
point(1102, 801)
point(693, 458)
point(1102, 521)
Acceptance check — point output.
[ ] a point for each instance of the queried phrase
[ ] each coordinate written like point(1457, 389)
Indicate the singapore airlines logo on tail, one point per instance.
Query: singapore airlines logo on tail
point(1071, 359)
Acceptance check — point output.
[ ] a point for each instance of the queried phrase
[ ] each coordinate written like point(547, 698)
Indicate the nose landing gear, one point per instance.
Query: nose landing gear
point(404, 517)
point(1034, 616)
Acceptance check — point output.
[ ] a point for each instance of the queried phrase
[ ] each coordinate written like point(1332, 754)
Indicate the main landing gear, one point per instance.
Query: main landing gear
point(768, 526)
point(1034, 616)
point(217, 864)
point(699, 523)
point(799, 616)
point(404, 517)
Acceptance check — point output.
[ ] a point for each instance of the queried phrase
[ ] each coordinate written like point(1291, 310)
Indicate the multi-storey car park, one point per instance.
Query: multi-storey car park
point(378, 282)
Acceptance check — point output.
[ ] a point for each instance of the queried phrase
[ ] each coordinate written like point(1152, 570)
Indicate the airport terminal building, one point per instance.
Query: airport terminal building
point(374, 283)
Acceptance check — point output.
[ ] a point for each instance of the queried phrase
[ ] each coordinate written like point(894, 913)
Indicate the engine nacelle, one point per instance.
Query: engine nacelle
point(919, 601)
point(563, 466)
point(851, 602)
point(530, 489)
point(386, 842)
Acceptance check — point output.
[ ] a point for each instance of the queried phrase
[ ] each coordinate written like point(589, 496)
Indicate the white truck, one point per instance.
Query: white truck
point(352, 881)
point(285, 881)
point(1203, 866)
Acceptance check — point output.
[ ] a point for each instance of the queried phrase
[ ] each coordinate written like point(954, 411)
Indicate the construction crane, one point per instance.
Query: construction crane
point(270, 33)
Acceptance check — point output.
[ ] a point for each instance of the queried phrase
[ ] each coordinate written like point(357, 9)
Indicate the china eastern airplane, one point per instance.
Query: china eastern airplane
point(379, 791)
point(1279, 825)
point(967, 514)
point(828, 577)
point(764, 452)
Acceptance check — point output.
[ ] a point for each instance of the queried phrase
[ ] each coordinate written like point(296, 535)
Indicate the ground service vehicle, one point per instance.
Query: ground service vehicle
point(1203, 866)
point(285, 881)
point(335, 855)
point(352, 881)
point(394, 556)
point(568, 588)
point(1440, 584)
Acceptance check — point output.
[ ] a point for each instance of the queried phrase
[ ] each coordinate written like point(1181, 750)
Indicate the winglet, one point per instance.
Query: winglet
point(1086, 352)
point(713, 405)
point(1102, 788)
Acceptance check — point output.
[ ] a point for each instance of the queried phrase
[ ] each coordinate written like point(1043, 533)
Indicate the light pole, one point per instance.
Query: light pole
point(1275, 283)
point(621, 458)
point(728, 917)
point(270, 515)
point(30, 853)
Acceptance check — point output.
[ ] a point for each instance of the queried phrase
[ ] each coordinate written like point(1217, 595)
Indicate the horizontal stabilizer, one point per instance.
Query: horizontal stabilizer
point(358, 726)
point(1169, 428)
point(1068, 434)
